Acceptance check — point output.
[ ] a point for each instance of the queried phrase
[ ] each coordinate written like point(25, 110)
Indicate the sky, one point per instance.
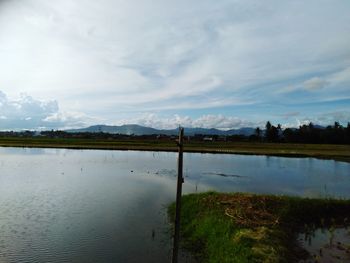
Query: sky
point(197, 63)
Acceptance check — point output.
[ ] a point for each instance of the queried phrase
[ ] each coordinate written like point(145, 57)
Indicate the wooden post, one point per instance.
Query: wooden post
point(180, 181)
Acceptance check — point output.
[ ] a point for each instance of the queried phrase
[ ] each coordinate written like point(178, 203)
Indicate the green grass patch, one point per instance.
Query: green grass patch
point(252, 228)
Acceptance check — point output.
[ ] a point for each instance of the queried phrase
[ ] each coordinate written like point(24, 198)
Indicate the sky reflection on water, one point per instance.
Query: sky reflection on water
point(102, 206)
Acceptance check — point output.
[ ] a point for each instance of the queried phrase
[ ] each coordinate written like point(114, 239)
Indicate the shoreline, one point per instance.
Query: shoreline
point(326, 152)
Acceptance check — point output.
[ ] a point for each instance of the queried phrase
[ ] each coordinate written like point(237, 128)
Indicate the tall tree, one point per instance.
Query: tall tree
point(271, 133)
point(258, 132)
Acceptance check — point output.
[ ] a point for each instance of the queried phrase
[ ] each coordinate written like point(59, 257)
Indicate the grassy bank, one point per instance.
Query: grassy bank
point(252, 228)
point(325, 151)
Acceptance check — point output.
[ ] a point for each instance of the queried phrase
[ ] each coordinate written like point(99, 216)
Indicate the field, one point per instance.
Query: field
point(325, 151)
point(256, 228)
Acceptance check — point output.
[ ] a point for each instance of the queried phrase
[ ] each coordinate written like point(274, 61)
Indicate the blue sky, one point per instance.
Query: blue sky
point(223, 64)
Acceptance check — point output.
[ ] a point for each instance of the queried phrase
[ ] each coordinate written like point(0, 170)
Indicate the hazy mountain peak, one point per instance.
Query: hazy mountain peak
point(142, 130)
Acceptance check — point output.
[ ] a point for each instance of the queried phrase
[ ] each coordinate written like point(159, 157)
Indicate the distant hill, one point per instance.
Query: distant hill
point(123, 129)
point(319, 127)
point(141, 130)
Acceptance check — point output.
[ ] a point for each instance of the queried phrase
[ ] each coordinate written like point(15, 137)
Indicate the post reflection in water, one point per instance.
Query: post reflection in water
point(60, 205)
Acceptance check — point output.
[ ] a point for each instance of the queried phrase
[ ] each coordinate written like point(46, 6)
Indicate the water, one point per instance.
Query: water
point(60, 205)
point(327, 245)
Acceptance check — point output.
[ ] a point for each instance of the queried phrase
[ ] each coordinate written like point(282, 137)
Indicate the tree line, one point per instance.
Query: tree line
point(307, 133)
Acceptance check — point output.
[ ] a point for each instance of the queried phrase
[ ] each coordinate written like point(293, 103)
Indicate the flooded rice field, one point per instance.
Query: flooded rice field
point(59, 205)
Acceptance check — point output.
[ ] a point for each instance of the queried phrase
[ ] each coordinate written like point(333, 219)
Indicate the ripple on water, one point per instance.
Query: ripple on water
point(73, 218)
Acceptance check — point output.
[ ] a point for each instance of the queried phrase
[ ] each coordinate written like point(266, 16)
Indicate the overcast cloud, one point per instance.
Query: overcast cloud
point(225, 64)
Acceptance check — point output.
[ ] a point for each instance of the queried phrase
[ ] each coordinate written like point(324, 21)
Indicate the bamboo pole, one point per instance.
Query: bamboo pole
point(180, 181)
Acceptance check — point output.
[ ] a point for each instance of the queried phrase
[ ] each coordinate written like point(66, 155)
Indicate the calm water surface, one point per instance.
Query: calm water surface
point(60, 205)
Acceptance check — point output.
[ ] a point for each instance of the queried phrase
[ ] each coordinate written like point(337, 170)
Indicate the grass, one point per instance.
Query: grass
point(324, 151)
point(252, 228)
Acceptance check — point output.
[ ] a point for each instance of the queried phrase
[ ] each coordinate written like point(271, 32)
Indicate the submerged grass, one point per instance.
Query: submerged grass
point(252, 228)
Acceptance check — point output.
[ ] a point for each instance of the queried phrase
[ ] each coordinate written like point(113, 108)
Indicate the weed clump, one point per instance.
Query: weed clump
point(253, 228)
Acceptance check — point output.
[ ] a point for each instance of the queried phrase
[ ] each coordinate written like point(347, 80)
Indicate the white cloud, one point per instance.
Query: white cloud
point(323, 119)
point(328, 86)
point(315, 83)
point(329, 118)
point(204, 121)
point(225, 122)
point(341, 77)
point(291, 114)
point(110, 56)
point(26, 112)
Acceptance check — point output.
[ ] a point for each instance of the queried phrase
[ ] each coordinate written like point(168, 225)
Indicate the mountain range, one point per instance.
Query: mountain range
point(141, 130)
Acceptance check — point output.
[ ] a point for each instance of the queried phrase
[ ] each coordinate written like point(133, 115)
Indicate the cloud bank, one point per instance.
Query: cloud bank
point(204, 121)
point(29, 113)
point(26, 112)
